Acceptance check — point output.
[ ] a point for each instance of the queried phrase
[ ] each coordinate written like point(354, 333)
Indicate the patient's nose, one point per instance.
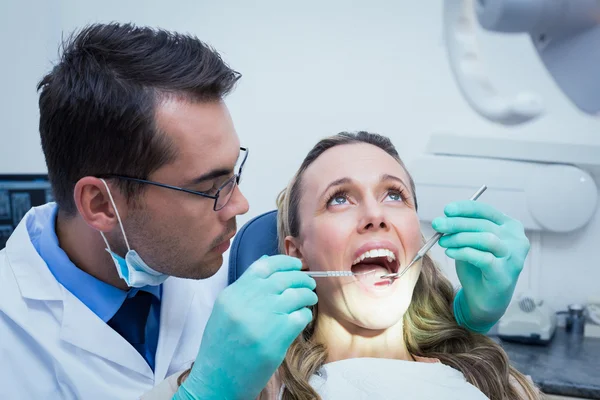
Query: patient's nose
point(373, 218)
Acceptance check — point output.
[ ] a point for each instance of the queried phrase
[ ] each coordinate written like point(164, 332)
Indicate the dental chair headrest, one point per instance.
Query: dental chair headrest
point(255, 239)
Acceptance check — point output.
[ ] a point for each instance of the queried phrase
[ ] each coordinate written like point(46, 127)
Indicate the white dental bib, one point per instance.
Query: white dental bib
point(378, 379)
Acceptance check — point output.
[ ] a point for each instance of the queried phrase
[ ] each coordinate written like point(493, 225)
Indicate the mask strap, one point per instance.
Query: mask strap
point(118, 217)
point(106, 241)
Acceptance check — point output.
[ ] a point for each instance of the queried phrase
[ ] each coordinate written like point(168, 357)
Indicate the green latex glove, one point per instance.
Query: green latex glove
point(489, 249)
point(252, 324)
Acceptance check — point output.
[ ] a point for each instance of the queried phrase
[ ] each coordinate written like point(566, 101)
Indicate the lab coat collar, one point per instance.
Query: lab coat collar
point(35, 280)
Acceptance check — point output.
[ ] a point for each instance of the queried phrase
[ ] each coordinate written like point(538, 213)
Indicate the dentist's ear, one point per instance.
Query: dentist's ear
point(93, 204)
point(292, 249)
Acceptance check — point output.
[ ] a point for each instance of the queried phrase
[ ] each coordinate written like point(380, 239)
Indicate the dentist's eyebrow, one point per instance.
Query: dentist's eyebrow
point(337, 182)
point(216, 173)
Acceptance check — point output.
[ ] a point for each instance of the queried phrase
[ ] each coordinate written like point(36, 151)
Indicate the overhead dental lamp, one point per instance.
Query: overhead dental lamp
point(565, 33)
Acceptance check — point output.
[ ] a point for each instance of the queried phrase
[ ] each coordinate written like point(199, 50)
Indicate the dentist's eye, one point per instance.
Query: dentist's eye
point(337, 199)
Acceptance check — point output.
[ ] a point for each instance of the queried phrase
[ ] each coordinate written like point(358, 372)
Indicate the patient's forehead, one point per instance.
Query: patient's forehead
point(363, 163)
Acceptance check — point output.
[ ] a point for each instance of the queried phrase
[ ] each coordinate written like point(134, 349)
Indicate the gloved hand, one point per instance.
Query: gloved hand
point(252, 324)
point(489, 249)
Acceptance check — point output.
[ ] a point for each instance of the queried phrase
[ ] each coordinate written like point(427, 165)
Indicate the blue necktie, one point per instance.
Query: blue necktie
point(137, 322)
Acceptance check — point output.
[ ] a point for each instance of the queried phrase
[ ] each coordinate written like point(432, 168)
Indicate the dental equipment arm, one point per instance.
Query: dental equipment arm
point(565, 34)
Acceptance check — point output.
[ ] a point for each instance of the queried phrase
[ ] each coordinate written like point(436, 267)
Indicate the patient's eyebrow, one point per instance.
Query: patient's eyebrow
point(388, 177)
point(345, 180)
point(337, 182)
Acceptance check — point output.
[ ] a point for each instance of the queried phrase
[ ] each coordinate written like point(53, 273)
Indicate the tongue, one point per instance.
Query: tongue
point(369, 273)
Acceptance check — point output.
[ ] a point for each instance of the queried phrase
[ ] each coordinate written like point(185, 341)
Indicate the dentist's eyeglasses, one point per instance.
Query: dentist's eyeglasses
point(221, 197)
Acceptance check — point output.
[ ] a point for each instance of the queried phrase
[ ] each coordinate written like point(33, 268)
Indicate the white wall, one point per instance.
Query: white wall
point(29, 33)
point(311, 69)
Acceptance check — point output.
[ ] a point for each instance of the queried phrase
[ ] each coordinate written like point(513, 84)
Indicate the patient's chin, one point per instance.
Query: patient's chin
point(378, 320)
point(378, 314)
point(372, 306)
point(380, 309)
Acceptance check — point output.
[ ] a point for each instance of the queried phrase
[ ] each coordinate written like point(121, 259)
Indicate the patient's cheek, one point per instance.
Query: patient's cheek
point(328, 241)
point(324, 247)
point(411, 237)
point(417, 241)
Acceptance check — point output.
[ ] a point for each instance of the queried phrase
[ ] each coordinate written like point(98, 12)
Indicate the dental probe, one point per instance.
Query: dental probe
point(334, 274)
point(328, 274)
point(429, 243)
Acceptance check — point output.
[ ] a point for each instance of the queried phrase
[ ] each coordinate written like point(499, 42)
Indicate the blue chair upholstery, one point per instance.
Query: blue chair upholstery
point(255, 239)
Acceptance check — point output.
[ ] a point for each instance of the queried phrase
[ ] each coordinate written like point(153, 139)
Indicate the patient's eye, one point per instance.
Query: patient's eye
point(337, 199)
point(395, 194)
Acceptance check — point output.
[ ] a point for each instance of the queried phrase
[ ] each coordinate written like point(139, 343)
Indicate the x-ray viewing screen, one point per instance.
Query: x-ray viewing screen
point(18, 193)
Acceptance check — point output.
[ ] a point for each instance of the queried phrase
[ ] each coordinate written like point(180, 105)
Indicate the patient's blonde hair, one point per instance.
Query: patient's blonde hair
point(430, 329)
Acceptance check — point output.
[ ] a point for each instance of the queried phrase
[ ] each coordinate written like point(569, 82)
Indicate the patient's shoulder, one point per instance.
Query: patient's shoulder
point(426, 359)
point(273, 389)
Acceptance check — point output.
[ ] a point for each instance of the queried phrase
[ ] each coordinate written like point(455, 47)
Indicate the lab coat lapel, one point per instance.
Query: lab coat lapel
point(84, 329)
point(177, 298)
point(35, 280)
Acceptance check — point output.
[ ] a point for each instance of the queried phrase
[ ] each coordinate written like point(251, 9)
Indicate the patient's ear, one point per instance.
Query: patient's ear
point(292, 248)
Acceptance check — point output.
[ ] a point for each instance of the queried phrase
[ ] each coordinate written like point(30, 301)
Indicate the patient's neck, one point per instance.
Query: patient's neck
point(345, 340)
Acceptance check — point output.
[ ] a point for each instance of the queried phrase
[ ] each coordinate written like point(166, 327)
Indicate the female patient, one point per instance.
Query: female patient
point(352, 206)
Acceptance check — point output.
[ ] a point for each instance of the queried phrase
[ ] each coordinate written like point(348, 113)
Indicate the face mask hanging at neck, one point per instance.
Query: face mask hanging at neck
point(132, 269)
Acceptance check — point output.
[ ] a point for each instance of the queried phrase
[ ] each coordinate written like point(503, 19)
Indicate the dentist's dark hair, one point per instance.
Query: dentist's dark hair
point(430, 328)
point(98, 104)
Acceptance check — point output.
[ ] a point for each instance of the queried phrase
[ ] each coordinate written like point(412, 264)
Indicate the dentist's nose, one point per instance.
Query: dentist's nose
point(237, 205)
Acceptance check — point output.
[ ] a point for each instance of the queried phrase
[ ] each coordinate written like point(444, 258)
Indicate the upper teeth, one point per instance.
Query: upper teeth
point(374, 254)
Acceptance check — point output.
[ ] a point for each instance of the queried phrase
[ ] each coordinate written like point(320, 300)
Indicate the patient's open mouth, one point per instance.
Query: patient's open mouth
point(371, 264)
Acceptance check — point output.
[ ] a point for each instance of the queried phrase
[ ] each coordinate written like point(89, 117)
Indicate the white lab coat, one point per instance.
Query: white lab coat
point(53, 347)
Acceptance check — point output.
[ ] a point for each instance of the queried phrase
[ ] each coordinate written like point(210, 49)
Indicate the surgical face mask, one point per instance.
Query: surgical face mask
point(132, 269)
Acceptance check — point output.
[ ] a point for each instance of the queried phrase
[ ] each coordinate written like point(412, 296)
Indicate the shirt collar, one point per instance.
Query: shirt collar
point(102, 299)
